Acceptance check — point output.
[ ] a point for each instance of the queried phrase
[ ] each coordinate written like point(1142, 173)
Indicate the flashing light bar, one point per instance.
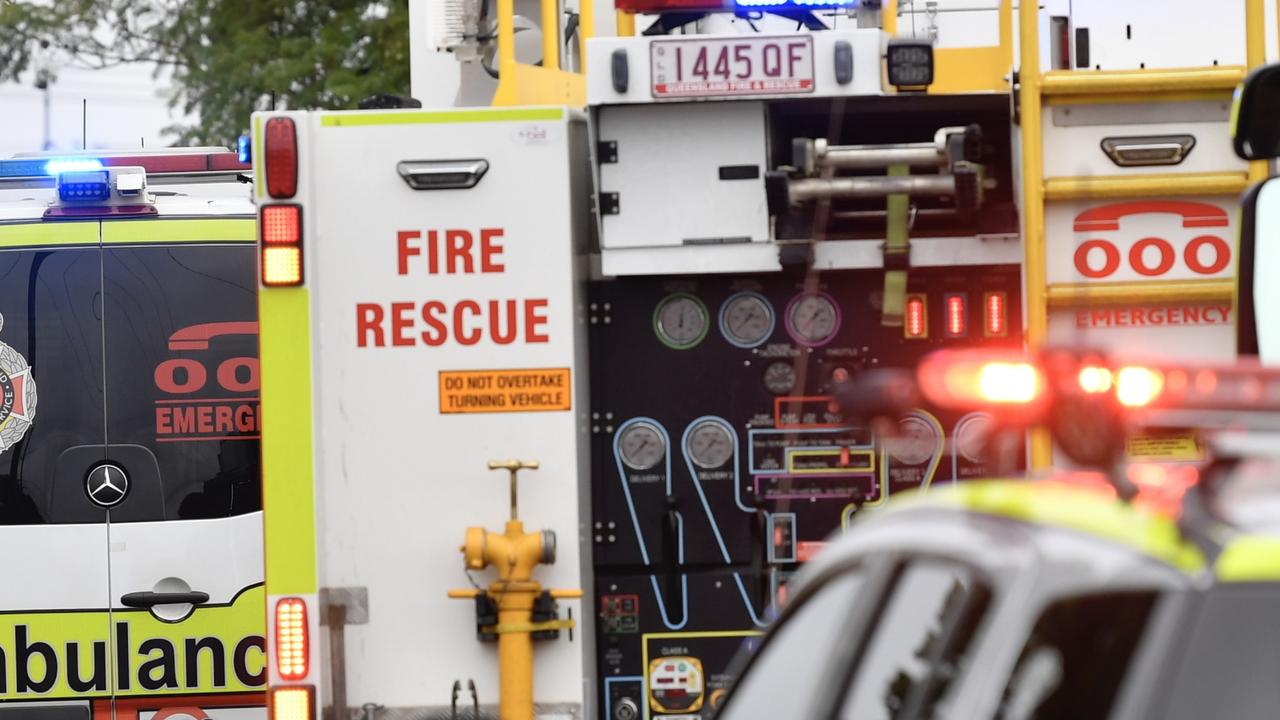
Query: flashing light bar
point(154, 164)
point(660, 6)
point(57, 167)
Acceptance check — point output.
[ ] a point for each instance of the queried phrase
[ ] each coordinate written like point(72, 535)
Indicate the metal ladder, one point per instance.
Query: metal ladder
point(1041, 89)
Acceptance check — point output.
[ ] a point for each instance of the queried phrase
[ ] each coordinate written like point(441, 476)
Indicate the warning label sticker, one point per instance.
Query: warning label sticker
point(505, 391)
point(1175, 448)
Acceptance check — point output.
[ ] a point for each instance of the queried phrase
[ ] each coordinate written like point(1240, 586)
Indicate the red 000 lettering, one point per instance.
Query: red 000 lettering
point(1139, 263)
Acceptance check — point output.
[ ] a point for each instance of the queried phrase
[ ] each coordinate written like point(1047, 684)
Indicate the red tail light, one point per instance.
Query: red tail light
point(957, 315)
point(291, 638)
point(280, 157)
point(281, 232)
point(995, 317)
point(916, 323)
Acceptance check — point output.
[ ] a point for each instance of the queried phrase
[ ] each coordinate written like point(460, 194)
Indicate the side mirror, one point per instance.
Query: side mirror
point(1258, 302)
point(1256, 115)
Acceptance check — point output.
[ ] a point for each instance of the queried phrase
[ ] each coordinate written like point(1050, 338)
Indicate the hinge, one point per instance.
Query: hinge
point(607, 151)
point(608, 203)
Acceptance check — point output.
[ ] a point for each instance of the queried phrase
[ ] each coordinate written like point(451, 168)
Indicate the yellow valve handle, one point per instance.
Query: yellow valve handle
point(513, 467)
point(529, 627)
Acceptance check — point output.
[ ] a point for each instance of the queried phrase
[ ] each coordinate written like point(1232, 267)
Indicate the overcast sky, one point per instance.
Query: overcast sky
point(126, 107)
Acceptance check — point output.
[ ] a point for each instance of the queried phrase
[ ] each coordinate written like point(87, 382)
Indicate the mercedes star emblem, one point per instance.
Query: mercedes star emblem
point(107, 485)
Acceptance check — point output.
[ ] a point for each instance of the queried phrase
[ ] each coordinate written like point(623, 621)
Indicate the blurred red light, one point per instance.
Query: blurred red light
point(916, 323)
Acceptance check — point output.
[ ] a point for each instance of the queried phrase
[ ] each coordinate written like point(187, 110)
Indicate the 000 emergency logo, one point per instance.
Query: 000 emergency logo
point(17, 395)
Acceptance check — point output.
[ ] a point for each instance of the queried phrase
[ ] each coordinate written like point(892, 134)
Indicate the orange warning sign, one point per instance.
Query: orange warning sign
point(497, 391)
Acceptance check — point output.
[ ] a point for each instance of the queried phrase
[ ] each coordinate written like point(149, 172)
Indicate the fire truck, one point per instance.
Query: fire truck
point(618, 307)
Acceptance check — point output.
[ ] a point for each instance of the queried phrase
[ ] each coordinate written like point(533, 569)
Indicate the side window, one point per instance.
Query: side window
point(790, 667)
point(51, 401)
point(1076, 657)
point(1232, 659)
point(920, 642)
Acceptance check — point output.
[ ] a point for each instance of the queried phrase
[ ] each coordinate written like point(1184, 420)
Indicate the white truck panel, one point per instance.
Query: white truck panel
point(398, 482)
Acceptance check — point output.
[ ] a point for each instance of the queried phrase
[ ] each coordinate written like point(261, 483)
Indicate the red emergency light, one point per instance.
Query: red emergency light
point(956, 310)
point(915, 323)
point(280, 157)
point(280, 231)
point(291, 639)
point(995, 315)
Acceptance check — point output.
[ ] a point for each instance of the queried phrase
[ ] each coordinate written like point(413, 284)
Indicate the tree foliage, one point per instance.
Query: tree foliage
point(228, 57)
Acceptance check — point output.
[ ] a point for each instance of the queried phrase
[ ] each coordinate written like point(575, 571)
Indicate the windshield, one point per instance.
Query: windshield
point(920, 644)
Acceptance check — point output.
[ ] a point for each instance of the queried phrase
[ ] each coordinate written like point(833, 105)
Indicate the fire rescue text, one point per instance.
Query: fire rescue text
point(502, 321)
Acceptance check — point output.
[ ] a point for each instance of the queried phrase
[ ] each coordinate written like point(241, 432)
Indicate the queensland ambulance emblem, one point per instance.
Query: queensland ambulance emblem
point(17, 395)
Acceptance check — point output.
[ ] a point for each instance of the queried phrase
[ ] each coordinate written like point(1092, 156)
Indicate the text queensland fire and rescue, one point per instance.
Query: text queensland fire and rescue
point(431, 322)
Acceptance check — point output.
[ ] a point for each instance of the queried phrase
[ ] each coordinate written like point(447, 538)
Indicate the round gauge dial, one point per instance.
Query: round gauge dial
point(813, 319)
point(971, 437)
point(710, 445)
point(780, 378)
point(681, 321)
point(916, 443)
point(641, 446)
point(746, 319)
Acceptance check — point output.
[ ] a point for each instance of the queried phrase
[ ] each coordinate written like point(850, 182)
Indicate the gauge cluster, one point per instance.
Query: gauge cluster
point(720, 462)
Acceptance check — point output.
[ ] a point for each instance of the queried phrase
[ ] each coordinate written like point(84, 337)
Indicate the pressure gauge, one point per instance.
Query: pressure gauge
point(746, 319)
point(641, 446)
point(917, 442)
point(813, 319)
point(681, 321)
point(971, 436)
point(780, 378)
point(710, 445)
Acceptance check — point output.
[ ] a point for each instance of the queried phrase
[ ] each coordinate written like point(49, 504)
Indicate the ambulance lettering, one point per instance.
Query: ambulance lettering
point(431, 322)
point(68, 654)
point(207, 397)
point(17, 395)
point(1204, 254)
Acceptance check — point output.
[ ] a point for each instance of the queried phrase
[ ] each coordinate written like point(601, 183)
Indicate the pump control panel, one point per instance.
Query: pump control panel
point(720, 461)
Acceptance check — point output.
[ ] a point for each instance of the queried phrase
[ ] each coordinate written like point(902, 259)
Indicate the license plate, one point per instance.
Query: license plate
point(731, 66)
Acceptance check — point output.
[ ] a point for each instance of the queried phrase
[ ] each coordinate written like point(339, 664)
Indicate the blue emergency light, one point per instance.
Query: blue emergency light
point(83, 186)
point(67, 165)
point(804, 4)
point(244, 149)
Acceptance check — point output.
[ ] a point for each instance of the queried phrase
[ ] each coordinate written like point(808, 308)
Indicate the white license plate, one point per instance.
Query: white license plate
point(747, 65)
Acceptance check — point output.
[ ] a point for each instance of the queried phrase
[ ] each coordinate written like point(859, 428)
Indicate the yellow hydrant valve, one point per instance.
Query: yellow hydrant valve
point(506, 609)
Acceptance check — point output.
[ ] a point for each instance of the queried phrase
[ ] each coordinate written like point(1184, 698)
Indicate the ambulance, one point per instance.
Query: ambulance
point(130, 502)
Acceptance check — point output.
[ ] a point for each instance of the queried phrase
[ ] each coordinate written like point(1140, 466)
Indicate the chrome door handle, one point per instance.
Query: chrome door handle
point(442, 174)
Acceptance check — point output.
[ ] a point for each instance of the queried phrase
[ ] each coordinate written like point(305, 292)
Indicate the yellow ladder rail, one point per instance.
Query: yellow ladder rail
point(548, 84)
point(1112, 86)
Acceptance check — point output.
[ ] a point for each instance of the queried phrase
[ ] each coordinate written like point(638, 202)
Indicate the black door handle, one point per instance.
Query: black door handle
point(150, 599)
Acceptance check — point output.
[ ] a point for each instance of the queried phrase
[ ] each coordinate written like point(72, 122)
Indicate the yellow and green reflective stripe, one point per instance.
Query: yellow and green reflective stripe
point(288, 489)
point(1070, 507)
point(1249, 558)
point(179, 231)
point(48, 234)
point(361, 118)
